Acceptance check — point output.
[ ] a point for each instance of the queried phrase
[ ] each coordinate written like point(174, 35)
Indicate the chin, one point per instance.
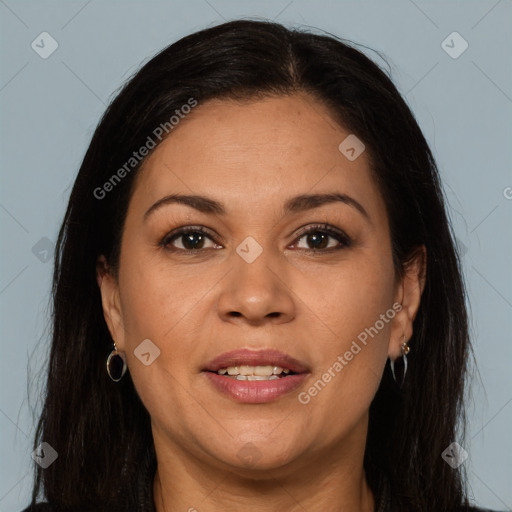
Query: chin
point(259, 455)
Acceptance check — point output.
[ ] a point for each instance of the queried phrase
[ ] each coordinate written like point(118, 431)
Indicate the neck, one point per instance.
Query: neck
point(332, 480)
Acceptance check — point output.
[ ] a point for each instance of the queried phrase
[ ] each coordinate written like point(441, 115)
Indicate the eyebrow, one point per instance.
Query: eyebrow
point(295, 204)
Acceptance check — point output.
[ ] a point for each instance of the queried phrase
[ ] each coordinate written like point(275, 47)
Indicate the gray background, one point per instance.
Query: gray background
point(50, 107)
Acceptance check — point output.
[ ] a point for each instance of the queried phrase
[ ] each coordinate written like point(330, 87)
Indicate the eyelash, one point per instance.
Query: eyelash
point(343, 238)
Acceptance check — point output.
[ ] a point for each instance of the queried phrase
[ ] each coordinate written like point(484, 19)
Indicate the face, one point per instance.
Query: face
point(303, 284)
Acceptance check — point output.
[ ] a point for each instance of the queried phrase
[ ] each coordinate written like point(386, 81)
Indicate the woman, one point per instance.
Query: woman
point(257, 300)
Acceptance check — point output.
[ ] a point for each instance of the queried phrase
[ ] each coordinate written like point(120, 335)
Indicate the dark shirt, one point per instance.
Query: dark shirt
point(44, 507)
point(146, 503)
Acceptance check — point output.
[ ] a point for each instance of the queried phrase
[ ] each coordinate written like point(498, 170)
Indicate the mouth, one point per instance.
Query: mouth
point(246, 372)
point(250, 376)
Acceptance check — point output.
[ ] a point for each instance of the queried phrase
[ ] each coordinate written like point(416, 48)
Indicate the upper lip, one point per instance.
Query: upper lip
point(265, 357)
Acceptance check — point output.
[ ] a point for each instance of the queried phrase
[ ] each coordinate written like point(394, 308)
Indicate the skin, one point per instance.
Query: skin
point(252, 157)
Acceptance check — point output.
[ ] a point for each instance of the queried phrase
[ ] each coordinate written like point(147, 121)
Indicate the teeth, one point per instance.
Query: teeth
point(261, 372)
point(255, 377)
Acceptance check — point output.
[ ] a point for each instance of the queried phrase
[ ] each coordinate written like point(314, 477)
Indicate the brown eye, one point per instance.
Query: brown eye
point(324, 238)
point(187, 239)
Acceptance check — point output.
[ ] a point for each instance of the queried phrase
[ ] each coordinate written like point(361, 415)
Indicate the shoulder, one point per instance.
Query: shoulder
point(478, 509)
point(39, 507)
point(46, 507)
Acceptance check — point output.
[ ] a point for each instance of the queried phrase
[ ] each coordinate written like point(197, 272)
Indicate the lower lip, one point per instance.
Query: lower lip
point(256, 391)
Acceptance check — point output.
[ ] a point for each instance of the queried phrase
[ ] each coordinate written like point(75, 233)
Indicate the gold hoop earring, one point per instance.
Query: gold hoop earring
point(116, 364)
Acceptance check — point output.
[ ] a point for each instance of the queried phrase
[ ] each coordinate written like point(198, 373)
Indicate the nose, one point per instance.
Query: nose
point(257, 292)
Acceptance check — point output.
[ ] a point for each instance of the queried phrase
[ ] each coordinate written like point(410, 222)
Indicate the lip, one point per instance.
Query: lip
point(255, 392)
point(256, 358)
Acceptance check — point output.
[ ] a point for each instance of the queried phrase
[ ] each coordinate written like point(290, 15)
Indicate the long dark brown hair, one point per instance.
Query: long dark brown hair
point(100, 429)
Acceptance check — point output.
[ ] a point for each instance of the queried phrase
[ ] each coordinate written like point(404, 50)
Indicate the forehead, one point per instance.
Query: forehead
point(249, 153)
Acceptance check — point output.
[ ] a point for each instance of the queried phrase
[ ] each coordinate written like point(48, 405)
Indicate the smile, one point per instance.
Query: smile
point(253, 377)
point(245, 372)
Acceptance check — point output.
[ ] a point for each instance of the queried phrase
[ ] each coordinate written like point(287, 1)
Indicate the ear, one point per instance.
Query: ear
point(408, 295)
point(112, 312)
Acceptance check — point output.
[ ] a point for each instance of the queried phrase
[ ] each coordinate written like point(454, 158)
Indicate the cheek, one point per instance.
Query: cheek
point(349, 297)
point(354, 307)
point(160, 299)
point(160, 304)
